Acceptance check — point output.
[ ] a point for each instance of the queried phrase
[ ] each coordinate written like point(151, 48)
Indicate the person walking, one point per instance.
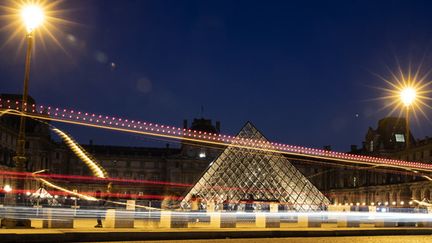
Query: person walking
point(99, 203)
point(2, 196)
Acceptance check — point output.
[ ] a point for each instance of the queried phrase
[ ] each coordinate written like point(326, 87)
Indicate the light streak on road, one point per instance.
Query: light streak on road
point(145, 128)
point(321, 216)
point(28, 175)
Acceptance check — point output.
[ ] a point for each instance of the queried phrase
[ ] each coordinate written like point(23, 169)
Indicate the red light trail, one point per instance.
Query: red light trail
point(151, 129)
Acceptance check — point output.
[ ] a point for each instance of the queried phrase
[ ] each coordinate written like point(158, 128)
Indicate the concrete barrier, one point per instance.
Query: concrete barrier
point(52, 220)
point(119, 219)
point(260, 220)
point(165, 219)
point(215, 220)
point(228, 221)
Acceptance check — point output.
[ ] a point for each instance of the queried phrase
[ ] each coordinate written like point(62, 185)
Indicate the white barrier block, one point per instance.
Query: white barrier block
point(165, 219)
point(110, 218)
point(215, 220)
point(302, 221)
point(260, 220)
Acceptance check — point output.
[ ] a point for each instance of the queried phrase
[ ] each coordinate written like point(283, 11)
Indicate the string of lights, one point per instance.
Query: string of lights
point(152, 129)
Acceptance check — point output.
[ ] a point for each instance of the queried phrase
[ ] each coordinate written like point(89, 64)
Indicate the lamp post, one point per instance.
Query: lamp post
point(32, 16)
point(408, 96)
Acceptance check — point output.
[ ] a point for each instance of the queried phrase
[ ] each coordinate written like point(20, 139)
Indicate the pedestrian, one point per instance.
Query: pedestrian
point(99, 204)
point(249, 203)
point(225, 204)
point(194, 208)
point(2, 196)
point(194, 203)
point(2, 201)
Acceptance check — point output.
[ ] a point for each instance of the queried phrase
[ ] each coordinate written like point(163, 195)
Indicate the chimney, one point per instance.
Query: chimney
point(353, 148)
point(218, 126)
point(185, 124)
point(91, 142)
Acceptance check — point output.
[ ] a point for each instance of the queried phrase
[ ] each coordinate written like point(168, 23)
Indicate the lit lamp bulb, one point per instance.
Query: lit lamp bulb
point(33, 17)
point(7, 188)
point(408, 95)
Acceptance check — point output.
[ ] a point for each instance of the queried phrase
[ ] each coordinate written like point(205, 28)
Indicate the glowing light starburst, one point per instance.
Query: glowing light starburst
point(408, 95)
point(42, 18)
point(407, 90)
point(33, 16)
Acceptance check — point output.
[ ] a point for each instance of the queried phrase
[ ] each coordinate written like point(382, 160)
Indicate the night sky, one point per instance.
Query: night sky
point(302, 71)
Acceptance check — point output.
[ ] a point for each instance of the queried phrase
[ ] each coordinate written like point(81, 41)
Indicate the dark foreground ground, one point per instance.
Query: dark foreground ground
point(315, 235)
point(341, 239)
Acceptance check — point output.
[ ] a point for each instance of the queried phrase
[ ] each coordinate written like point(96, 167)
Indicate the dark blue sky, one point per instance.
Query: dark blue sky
point(299, 70)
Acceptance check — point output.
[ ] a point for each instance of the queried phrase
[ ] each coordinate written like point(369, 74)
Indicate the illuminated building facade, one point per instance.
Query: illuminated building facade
point(186, 163)
point(377, 186)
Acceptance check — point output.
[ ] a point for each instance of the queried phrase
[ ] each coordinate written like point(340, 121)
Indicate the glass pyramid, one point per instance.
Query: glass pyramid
point(240, 173)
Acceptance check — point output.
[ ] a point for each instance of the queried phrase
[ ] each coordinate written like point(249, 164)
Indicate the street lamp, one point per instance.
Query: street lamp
point(408, 96)
point(32, 17)
point(7, 188)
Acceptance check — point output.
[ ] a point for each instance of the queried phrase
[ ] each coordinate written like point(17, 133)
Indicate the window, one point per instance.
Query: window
point(400, 138)
point(371, 146)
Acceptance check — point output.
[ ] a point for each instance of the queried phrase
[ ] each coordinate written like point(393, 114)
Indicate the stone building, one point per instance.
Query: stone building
point(181, 164)
point(40, 149)
point(374, 186)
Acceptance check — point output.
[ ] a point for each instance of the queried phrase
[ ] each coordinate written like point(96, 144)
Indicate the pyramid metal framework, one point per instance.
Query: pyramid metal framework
point(240, 172)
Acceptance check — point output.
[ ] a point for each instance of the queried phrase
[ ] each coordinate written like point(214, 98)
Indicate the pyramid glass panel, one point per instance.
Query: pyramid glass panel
point(240, 173)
